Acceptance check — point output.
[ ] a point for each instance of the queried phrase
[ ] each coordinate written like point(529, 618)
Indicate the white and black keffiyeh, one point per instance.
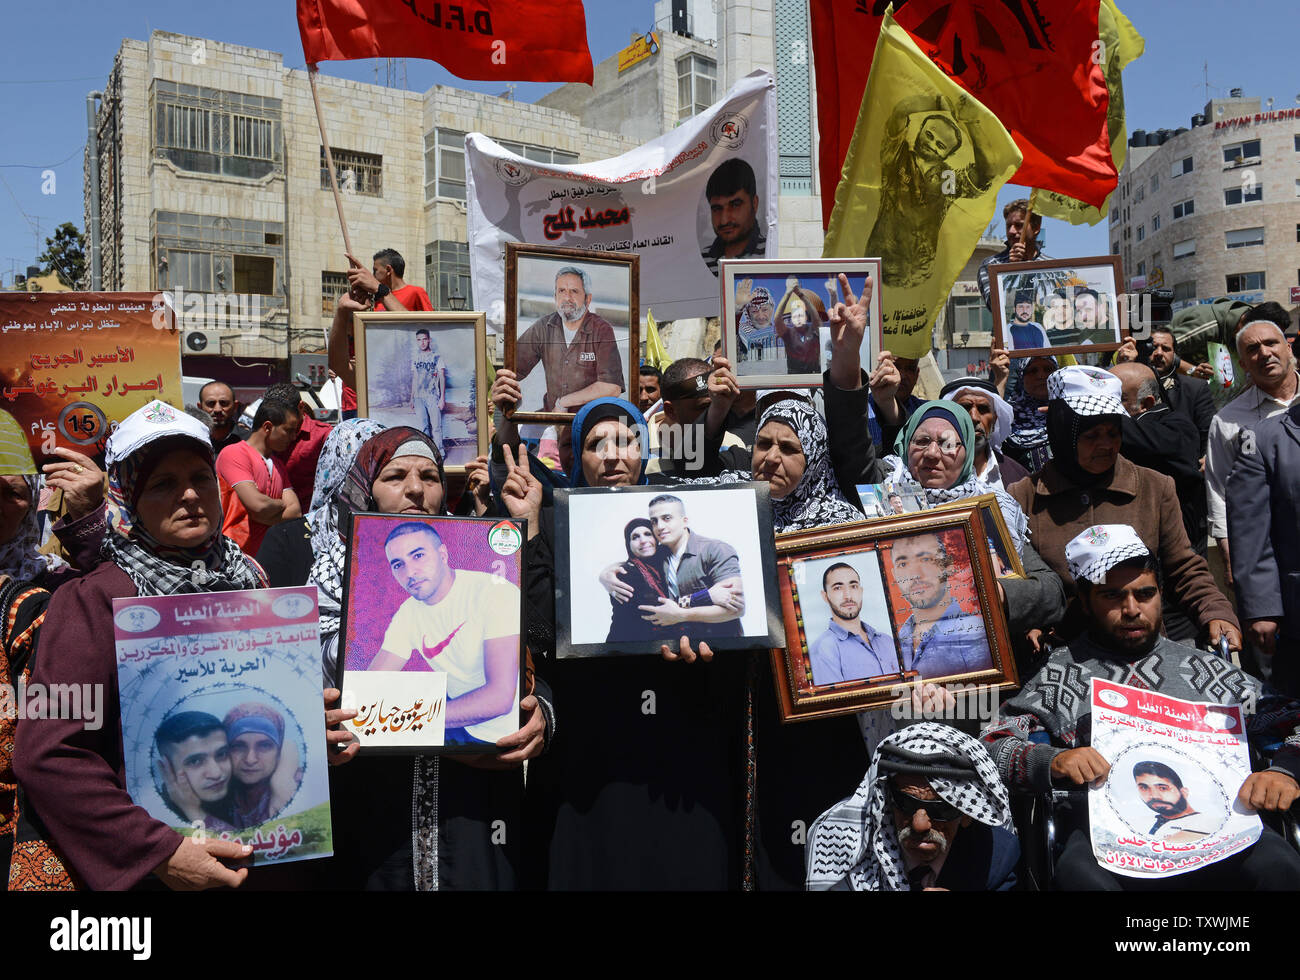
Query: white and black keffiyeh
point(857, 837)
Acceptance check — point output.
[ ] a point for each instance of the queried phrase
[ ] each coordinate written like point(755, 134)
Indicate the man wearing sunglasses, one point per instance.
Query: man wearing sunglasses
point(931, 815)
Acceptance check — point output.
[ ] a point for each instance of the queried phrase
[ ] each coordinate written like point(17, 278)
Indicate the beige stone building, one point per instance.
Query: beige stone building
point(1213, 209)
point(212, 185)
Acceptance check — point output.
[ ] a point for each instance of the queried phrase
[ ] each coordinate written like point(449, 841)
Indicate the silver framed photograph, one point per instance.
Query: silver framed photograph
point(775, 317)
point(1062, 306)
point(425, 370)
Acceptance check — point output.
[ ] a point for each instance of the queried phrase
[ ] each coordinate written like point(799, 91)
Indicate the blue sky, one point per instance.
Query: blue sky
point(63, 55)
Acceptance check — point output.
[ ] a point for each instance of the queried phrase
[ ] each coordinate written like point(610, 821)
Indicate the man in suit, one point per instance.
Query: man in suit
point(1263, 501)
point(1186, 393)
point(931, 815)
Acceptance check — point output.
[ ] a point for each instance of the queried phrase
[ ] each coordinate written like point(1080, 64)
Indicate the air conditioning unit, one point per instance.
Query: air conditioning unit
point(201, 342)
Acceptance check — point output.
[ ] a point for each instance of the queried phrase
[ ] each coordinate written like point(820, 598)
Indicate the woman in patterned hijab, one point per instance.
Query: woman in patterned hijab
point(855, 844)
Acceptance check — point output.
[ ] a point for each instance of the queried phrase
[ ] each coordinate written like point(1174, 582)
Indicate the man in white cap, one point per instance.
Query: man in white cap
point(1043, 739)
point(1087, 481)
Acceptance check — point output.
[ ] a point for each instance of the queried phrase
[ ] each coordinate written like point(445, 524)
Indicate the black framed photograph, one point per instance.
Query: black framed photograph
point(640, 567)
point(1061, 306)
point(775, 317)
point(429, 646)
point(572, 328)
point(426, 370)
point(874, 609)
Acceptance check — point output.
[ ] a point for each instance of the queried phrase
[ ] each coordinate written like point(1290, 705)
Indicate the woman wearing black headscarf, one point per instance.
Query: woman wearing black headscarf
point(644, 571)
point(1088, 482)
point(404, 824)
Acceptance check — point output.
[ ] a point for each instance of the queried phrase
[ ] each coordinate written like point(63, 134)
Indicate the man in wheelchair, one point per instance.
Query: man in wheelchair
point(1042, 740)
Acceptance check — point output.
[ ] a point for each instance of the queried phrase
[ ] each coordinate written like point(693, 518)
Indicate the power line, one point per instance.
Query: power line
point(38, 166)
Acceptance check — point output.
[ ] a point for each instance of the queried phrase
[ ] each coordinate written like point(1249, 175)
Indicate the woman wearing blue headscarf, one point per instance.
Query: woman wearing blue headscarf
point(643, 791)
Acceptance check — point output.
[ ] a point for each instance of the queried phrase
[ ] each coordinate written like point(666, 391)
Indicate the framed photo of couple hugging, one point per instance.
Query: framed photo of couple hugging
point(637, 568)
point(872, 610)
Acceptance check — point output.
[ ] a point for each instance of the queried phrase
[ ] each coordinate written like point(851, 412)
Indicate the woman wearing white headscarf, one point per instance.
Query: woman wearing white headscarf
point(164, 488)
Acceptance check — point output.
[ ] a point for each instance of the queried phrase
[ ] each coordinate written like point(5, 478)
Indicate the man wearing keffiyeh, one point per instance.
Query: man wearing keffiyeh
point(930, 814)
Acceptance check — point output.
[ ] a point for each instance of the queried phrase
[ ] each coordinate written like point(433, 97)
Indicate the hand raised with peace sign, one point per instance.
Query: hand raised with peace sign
point(848, 323)
point(522, 492)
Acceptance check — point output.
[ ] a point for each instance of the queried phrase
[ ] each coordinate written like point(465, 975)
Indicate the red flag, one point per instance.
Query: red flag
point(487, 40)
point(1033, 63)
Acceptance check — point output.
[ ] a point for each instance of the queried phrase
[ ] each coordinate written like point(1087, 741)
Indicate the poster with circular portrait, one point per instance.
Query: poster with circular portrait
point(222, 717)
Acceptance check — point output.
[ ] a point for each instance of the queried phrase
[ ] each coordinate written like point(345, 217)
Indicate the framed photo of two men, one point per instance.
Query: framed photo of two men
point(572, 327)
point(874, 609)
point(776, 317)
point(1057, 307)
point(429, 645)
point(638, 568)
point(426, 370)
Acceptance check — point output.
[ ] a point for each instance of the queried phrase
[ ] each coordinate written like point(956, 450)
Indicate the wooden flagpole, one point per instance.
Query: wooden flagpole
point(312, 72)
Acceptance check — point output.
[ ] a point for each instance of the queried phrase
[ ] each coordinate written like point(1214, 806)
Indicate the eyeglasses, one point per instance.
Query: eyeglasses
point(948, 445)
point(937, 810)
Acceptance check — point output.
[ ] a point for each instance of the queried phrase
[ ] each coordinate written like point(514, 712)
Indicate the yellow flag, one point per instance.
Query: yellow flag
point(920, 182)
point(15, 453)
point(1122, 45)
point(655, 353)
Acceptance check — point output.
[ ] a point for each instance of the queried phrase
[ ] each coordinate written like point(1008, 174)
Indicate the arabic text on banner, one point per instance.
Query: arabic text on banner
point(1169, 805)
point(222, 726)
point(649, 200)
point(73, 365)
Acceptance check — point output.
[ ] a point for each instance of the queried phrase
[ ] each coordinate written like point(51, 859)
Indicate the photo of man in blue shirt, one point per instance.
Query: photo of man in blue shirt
point(850, 648)
point(938, 639)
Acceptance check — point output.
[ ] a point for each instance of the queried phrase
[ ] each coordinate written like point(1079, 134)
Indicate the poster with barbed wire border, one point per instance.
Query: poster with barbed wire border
point(223, 729)
point(1169, 804)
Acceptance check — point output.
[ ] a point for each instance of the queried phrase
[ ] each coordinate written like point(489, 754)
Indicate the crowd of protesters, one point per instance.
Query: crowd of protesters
point(1110, 482)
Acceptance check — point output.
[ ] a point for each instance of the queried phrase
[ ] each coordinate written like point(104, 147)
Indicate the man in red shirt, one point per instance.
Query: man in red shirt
point(255, 490)
point(300, 461)
point(385, 285)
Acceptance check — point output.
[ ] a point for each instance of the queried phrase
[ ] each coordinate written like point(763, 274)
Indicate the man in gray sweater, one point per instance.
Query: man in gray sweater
point(1043, 739)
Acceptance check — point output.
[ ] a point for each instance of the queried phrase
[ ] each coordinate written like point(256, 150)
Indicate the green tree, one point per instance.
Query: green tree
point(65, 254)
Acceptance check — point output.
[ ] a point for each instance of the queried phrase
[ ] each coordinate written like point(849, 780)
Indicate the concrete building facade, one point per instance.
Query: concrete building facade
point(212, 183)
point(1213, 209)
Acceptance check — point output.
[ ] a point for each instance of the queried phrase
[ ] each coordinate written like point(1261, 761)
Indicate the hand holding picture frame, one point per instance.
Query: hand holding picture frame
point(775, 317)
point(1062, 306)
point(572, 327)
point(429, 646)
point(426, 370)
point(873, 610)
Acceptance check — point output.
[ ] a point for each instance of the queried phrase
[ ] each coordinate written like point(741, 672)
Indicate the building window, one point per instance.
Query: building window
point(1180, 167)
point(1114, 216)
point(1184, 209)
point(1185, 290)
point(332, 286)
point(446, 274)
point(1239, 195)
point(356, 172)
point(1155, 222)
point(1244, 237)
point(213, 131)
point(1239, 153)
point(255, 274)
point(1184, 249)
point(1297, 143)
point(1114, 246)
point(697, 84)
point(1142, 232)
point(1246, 282)
point(1142, 269)
point(444, 164)
point(1155, 183)
point(1140, 195)
point(542, 154)
point(252, 138)
point(192, 271)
